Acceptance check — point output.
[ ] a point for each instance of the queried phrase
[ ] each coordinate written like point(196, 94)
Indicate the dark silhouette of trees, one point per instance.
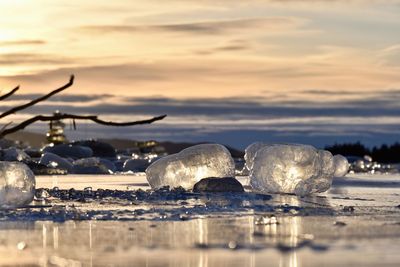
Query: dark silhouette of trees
point(383, 154)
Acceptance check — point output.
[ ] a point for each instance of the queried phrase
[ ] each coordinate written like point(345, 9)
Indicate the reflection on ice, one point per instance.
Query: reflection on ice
point(201, 242)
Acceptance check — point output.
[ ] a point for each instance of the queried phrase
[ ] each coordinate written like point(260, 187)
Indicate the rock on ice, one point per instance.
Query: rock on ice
point(190, 166)
point(341, 165)
point(292, 168)
point(17, 184)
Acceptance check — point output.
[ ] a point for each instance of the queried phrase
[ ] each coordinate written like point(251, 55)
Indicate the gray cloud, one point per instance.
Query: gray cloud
point(68, 98)
point(331, 92)
point(31, 58)
point(122, 73)
point(210, 27)
point(379, 105)
point(233, 46)
point(22, 42)
point(287, 121)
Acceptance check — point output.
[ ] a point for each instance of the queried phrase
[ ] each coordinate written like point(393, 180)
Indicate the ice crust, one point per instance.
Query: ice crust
point(190, 166)
point(17, 184)
point(341, 165)
point(291, 168)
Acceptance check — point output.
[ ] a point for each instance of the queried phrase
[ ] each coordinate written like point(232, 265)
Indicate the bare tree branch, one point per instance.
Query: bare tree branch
point(93, 118)
point(9, 93)
point(37, 100)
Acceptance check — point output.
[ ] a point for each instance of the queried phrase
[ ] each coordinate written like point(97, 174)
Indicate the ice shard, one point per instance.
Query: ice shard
point(292, 168)
point(17, 185)
point(190, 166)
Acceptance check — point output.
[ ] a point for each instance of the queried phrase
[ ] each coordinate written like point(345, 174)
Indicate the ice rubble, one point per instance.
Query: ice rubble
point(292, 168)
point(190, 166)
point(17, 184)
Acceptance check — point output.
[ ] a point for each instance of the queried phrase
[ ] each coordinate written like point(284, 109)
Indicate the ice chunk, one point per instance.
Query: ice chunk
point(136, 165)
point(55, 161)
point(100, 149)
point(93, 166)
point(341, 165)
point(69, 151)
point(190, 166)
point(17, 184)
point(14, 154)
point(292, 168)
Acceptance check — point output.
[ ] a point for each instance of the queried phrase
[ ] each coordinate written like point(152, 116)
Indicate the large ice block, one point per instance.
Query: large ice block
point(190, 166)
point(292, 168)
point(17, 184)
point(341, 165)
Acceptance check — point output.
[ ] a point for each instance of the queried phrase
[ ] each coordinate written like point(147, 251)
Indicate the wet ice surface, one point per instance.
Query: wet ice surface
point(357, 223)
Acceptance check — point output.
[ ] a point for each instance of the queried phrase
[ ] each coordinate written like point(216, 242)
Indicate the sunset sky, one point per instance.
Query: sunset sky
point(223, 70)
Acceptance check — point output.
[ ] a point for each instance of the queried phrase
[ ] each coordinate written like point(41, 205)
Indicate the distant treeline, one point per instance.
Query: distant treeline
point(382, 154)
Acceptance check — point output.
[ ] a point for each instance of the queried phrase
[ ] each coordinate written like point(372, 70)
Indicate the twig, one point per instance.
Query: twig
point(9, 93)
point(5, 126)
point(61, 116)
point(37, 100)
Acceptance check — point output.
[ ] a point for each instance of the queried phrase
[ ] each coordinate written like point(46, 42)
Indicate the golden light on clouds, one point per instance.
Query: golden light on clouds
point(187, 49)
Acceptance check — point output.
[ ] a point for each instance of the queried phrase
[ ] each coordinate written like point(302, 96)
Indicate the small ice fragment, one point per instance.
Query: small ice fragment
point(17, 185)
point(232, 245)
point(367, 158)
point(190, 166)
point(21, 245)
point(292, 168)
point(341, 165)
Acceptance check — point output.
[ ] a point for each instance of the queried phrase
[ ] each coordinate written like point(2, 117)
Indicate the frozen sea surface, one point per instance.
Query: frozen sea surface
point(105, 221)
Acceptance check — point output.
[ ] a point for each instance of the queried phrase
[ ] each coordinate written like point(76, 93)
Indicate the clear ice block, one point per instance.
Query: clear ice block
point(17, 184)
point(190, 166)
point(292, 168)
